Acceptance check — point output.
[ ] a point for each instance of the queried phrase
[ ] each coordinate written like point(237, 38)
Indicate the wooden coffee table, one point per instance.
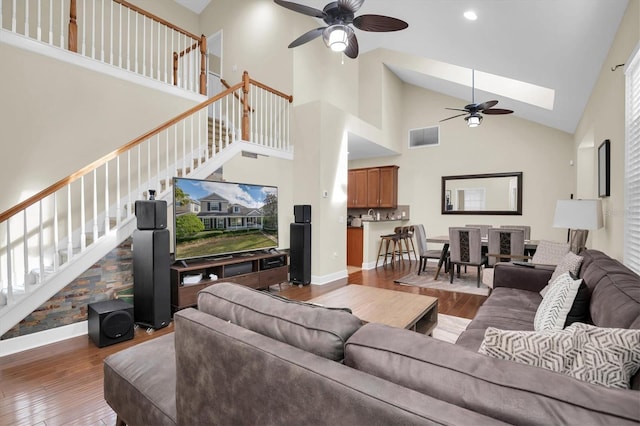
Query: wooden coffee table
point(395, 308)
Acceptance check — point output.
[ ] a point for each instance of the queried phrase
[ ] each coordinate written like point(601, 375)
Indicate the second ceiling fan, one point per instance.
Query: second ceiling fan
point(474, 111)
point(339, 16)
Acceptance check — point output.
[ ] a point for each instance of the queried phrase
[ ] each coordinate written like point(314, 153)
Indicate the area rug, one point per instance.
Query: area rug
point(449, 328)
point(467, 283)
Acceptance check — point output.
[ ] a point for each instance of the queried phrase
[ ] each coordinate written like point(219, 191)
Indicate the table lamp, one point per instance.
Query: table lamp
point(579, 216)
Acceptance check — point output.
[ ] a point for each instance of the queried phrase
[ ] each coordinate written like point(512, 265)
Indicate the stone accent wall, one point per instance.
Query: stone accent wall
point(110, 278)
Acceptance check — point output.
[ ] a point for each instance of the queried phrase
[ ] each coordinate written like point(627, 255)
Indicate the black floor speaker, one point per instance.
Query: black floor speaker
point(110, 322)
point(300, 253)
point(151, 284)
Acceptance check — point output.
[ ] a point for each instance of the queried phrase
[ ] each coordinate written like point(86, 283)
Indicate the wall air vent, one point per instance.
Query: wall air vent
point(426, 136)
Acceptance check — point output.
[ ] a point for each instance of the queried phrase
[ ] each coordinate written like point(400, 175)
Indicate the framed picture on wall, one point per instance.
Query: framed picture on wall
point(604, 169)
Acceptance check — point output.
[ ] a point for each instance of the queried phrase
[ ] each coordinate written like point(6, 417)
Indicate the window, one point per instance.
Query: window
point(632, 164)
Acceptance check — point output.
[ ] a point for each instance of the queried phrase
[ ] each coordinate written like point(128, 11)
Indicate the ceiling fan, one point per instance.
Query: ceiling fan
point(339, 15)
point(474, 111)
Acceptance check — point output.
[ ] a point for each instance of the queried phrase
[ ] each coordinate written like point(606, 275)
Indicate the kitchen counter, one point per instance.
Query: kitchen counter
point(371, 232)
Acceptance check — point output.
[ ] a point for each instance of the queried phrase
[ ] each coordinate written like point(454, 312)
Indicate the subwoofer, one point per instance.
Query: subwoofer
point(110, 322)
point(151, 214)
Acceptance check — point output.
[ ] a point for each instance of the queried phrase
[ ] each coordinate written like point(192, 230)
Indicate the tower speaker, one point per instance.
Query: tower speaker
point(151, 285)
point(302, 213)
point(300, 253)
point(151, 214)
point(110, 322)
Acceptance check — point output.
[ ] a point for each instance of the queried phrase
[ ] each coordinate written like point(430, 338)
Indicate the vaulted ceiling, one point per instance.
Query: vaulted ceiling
point(555, 46)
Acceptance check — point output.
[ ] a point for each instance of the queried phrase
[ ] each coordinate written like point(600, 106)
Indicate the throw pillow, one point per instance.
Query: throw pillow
point(550, 252)
point(580, 308)
point(555, 306)
point(570, 262)
point(553, 350)
point(608, 356)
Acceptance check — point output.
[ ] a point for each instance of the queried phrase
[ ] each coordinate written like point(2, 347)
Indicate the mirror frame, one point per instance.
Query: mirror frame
point(517, 212)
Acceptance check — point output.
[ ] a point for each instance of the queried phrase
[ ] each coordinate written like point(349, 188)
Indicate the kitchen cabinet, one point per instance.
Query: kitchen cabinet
point(377, 186)
point(354, 246)
point(357, 188)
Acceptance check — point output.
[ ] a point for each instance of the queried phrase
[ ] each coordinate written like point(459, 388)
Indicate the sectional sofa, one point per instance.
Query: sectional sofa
point(249, 357)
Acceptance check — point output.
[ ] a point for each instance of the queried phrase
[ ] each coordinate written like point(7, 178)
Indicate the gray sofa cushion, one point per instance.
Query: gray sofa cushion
point(316, 329)
point(140, 382)
point(505, 390)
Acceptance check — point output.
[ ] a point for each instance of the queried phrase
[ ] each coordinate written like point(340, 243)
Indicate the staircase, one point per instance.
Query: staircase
point(51, 238)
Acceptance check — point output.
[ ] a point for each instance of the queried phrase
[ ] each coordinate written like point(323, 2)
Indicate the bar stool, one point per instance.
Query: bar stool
point(389, 240)
point(407, 235)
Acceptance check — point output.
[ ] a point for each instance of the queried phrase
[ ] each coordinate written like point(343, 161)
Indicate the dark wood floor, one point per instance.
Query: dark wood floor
point(61, 383)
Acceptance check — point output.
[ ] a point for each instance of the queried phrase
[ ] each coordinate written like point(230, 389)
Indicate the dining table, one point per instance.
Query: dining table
point(529, 246)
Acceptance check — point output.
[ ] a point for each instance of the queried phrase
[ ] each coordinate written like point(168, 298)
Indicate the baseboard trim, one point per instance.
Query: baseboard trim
point(330, 278)
point(35, 340)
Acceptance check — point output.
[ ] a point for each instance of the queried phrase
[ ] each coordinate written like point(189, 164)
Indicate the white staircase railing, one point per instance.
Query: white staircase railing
point(41, 237)
point(114, 32)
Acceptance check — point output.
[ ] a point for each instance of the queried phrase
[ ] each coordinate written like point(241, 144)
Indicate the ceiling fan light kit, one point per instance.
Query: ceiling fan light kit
point(337, 37)
point(474, 120)
point(339, 15)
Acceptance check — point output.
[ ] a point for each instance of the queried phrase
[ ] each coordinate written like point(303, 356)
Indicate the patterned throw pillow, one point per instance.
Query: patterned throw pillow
point(555, 306)
point(550, 252)
point(553, 350)
point(571, 262)
point(608, 356)
point(602, 356)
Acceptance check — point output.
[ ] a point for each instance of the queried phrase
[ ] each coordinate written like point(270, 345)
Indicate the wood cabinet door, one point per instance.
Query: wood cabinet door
point(388, 188)
point(373, 187)
point(357, 189)
point(354, 247)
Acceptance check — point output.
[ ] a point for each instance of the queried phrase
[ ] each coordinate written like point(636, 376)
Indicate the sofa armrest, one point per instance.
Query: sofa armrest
point(227, 375)
point(532, 278)
point(512, 392)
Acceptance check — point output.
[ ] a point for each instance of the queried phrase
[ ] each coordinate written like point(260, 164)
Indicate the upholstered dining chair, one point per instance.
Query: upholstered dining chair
point(525, 228)
point(484, 229)
point(423, 252)
point(505, 245)
point(465, 248)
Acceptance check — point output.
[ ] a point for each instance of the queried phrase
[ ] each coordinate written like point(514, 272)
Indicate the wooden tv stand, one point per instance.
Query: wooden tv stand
point(256, 270)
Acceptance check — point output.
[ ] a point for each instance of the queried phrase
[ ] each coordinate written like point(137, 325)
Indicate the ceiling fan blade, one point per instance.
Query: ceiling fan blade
point(486, 105)
point(300, 8)
point(379, 23)
point(455, 116)
point(350, 5)
point(457, 109)
point(497, 111)
point(306, 37)
point(352, 47)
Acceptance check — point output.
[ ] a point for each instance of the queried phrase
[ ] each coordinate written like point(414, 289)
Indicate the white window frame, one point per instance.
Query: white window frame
point(632, 162)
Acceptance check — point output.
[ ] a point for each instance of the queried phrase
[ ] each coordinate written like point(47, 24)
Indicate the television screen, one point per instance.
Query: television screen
point(220, 218)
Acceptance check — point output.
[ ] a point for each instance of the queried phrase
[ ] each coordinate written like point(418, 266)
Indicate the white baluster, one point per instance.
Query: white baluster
point(26, 18)
point(144, 45)
point(84, 27)
point(130, 203)
point(83, 217)
point(158, 69)
point(102, 31)
point(56, 253)
point(184, 150)
point(9, 267)
point(149, 162)
point(139, 171)
point(13, 17)
point(93, 29)
point(95, 205)
point(166, 55)
point(50, 21)
point(25, 248)
point(111, 33)
point(40, 243)
point(119, 35)
point(69, 226)
point(107, 225)
point(39, 30)
point(61, 25)
point(136, 42)
point(166, 132)
point(158, 166)
point(192, 163)
point(118, 201)
point(128, 39)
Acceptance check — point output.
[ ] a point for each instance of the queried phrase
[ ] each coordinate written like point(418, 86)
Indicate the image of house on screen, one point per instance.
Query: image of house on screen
point(216, 212)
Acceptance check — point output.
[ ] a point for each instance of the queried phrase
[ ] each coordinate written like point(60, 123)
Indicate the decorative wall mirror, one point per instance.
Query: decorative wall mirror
point(482, 194)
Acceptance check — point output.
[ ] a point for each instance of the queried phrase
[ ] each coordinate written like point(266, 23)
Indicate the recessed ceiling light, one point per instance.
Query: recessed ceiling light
point(470, 15)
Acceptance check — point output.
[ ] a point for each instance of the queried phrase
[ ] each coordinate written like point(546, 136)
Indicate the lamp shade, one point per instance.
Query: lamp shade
point(578, 214)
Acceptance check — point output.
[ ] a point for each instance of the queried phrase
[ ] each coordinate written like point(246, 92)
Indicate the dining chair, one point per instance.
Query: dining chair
point(525, 228)
point(424, 253)
point(484, 229)
point(465, 248)
point(505, 245)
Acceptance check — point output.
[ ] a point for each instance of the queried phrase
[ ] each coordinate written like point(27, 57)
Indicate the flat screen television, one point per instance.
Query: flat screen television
point(214, 219)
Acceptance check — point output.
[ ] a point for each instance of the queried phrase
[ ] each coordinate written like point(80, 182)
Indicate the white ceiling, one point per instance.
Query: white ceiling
point(556, 44)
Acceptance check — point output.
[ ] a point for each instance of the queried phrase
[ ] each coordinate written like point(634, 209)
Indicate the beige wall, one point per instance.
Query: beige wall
point(603, 118)
point(61, 117)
